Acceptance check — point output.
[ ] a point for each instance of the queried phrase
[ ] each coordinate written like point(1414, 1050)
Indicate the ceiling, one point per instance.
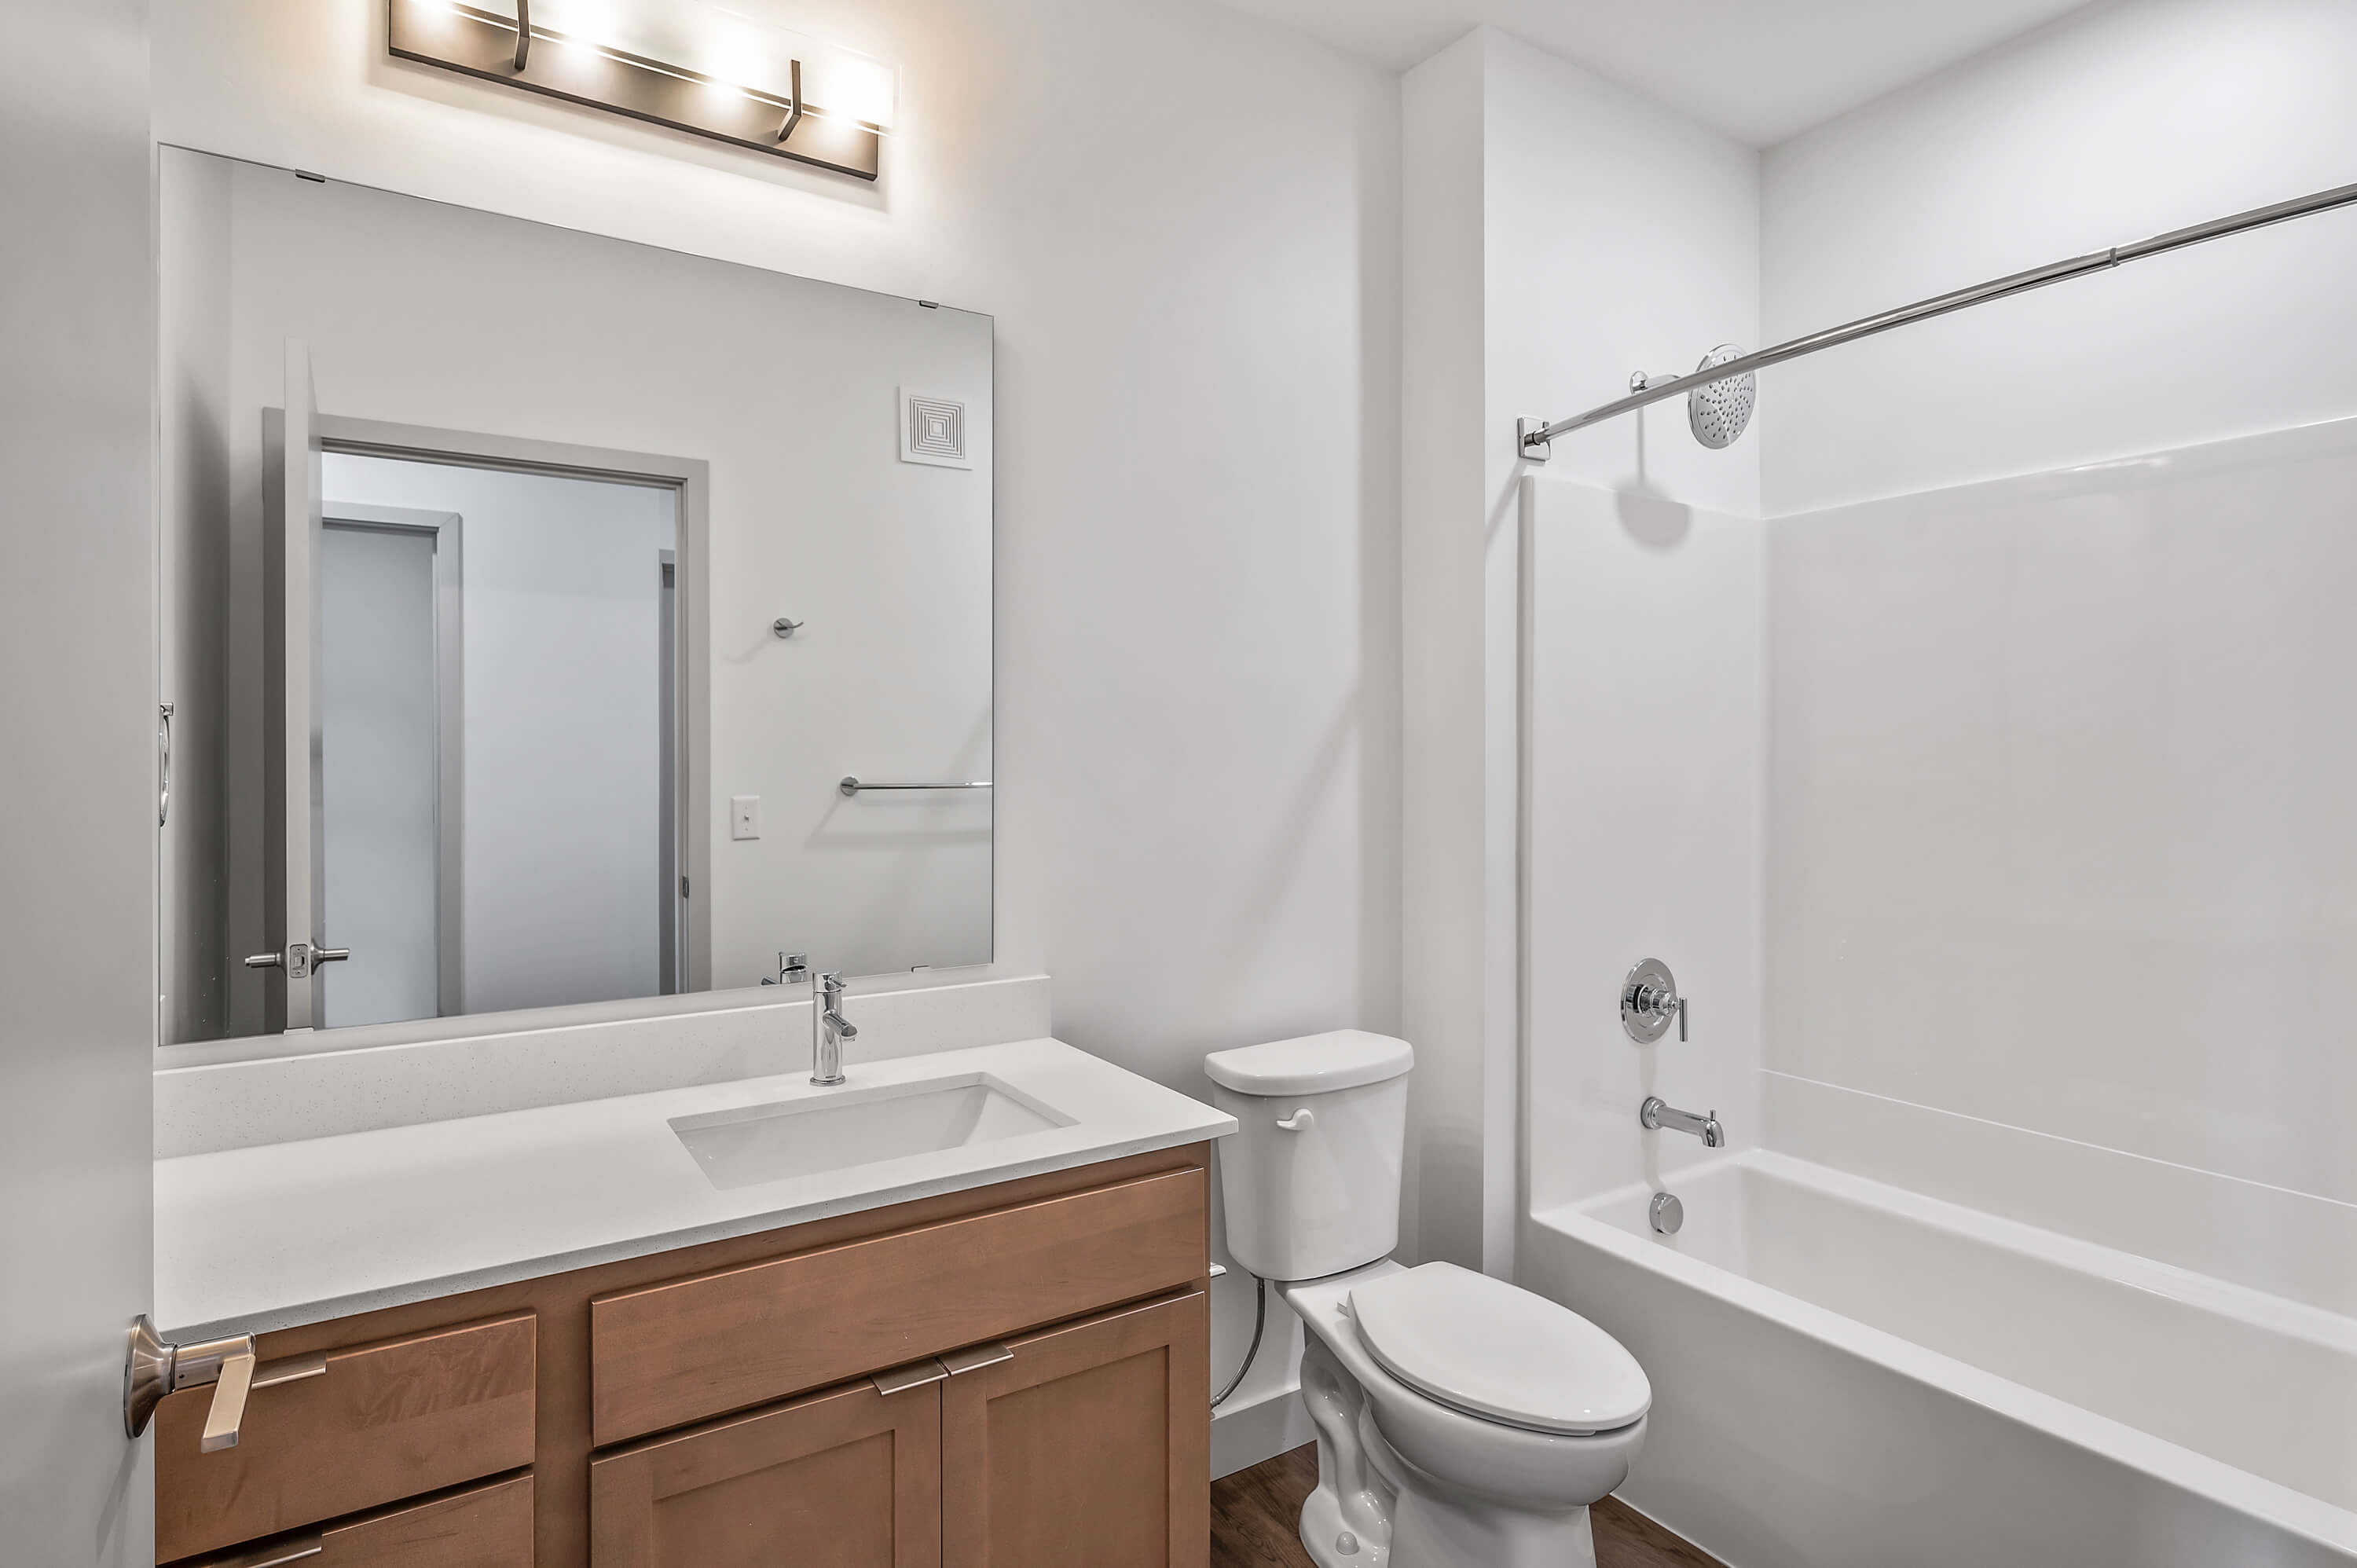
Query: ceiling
point(1758, 70)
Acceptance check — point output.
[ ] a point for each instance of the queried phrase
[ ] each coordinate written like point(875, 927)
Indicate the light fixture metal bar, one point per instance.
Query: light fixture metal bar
point(1535, 436)
point(514, 53)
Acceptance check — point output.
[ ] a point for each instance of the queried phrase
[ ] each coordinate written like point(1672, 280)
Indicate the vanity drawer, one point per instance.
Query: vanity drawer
point(692, 1348)
point(380, 1423)
point(483, 1527)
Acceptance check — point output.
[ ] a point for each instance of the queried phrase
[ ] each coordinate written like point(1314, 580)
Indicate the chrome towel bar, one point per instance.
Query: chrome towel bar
point(850, 786)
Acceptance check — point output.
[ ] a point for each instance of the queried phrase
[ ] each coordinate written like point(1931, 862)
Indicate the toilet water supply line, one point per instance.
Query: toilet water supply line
point(1260, 1321)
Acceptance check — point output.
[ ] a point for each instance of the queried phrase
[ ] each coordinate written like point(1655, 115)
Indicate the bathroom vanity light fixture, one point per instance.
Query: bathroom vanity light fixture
point(590, 70)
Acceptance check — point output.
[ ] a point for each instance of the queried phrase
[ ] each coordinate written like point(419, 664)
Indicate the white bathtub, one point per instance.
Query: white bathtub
point(1848, 1375)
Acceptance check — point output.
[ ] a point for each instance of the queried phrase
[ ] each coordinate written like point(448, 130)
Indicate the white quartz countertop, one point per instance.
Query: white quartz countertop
point(280, 1234)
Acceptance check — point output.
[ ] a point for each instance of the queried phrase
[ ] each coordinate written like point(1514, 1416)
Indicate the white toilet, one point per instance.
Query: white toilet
point(1462, 1422)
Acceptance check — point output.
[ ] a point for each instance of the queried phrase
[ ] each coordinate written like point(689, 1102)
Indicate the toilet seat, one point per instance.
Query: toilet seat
point(1497, 1352)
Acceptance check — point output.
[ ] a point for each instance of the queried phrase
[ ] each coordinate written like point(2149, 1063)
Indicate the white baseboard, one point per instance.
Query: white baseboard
point(1246, 1431)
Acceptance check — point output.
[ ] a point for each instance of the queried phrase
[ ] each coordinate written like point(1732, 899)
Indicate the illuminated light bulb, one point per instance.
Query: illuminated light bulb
point(861, 90)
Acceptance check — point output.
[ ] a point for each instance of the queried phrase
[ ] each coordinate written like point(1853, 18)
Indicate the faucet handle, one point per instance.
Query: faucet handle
point(1649, 1000)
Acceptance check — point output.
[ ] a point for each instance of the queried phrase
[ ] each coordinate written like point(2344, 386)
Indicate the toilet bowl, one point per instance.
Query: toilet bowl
point(1462, 1423)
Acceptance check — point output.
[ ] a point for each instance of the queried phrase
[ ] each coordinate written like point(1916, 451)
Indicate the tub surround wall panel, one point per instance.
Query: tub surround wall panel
point(2289, 1244)
point(2060, 837)
point(1644, 745)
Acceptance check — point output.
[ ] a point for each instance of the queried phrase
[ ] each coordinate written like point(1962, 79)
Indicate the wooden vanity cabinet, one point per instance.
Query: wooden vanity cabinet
point(713, 1405)
point(1084, 1446)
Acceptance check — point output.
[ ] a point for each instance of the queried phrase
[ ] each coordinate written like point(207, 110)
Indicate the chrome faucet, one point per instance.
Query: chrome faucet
point(829, 1028)
point(1657, 1114)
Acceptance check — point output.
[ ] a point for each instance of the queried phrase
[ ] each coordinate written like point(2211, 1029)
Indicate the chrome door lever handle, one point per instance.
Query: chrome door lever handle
point(231, 1385)
point(300, 960)
point(152, 1368)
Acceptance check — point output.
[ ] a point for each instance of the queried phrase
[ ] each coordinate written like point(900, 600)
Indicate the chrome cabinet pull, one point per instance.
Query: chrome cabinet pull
point(915, 1375)
point(272, 1554)
point(975, 1357)
point(292, 1369)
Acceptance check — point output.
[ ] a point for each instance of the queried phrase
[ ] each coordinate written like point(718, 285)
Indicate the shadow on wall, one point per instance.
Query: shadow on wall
point(1651, 520)
point(1647, 513)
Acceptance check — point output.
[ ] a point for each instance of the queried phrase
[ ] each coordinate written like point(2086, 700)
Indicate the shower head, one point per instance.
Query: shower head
point(1719, 410)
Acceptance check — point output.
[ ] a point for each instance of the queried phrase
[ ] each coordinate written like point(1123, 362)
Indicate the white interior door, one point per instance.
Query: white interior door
point(78, 838)
point(294, 836)
point(381, 736)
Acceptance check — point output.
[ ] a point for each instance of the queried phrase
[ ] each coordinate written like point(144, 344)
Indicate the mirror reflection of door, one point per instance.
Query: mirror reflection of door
point(497, 761)
point(392, 768)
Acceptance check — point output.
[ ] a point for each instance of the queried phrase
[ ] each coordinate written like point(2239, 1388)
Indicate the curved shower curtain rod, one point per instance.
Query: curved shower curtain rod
point(1532, 435)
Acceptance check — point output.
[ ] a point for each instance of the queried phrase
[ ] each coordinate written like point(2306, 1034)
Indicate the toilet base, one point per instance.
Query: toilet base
point(1374, 1509)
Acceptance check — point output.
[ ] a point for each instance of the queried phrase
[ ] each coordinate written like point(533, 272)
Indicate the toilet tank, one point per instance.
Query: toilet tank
point(1310, 1179)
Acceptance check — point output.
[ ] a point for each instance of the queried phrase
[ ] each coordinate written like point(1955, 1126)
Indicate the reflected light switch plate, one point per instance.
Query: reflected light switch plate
point(744, 816)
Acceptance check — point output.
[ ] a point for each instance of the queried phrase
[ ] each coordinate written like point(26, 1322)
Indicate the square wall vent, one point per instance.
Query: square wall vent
point(932, 429)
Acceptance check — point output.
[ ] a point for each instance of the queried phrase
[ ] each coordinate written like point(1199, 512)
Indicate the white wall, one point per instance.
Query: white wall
point(1613, 235)
point(1186, 226)
point(561, 650)
point(2057, 893)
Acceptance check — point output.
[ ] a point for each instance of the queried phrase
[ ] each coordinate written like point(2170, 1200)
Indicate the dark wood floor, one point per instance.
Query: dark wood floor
point(1256, 1516)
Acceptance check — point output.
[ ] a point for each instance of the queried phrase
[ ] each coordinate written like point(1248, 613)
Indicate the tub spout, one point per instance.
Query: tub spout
point(1657, 1114)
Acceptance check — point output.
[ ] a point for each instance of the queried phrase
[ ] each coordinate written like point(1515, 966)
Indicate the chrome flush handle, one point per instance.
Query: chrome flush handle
point(1301, 1120)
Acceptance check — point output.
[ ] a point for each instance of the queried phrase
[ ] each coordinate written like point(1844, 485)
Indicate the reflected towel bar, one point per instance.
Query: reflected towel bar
point(850, 786)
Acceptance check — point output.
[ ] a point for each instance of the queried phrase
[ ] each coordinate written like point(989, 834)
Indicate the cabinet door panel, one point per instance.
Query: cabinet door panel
point(850, 1479)
point(1090, 1448)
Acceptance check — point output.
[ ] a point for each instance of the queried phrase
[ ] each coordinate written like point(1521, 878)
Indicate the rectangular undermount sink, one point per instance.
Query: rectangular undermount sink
point(755, 1143)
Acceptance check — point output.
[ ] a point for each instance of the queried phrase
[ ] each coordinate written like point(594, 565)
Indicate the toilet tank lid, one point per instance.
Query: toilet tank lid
point(1313, 1064)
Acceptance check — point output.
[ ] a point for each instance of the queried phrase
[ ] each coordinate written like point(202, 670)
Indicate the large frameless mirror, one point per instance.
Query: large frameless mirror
point(552, 619)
